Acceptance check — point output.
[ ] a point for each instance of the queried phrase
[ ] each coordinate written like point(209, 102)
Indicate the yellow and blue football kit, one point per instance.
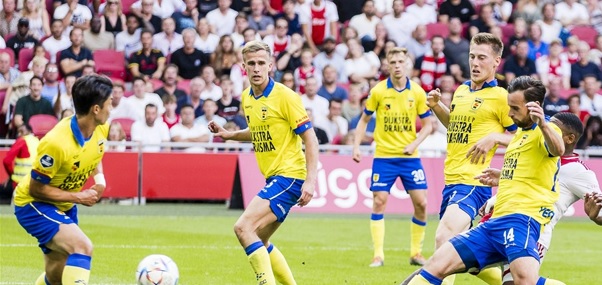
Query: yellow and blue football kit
point(474, 114)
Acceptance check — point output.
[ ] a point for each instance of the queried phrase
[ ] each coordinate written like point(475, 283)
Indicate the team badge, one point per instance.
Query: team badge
point(47, 161)
point(387, 107)
point(452, 107)
point(523, 139)
point(75, 166)
point(264, 112)
point(411, 102)
point(477, 103)
point(101, 146)
point(375, 177)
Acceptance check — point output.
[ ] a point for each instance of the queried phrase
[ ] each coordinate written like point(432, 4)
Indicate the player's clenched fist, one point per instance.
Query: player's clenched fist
point(433, 98)
point(87, 197)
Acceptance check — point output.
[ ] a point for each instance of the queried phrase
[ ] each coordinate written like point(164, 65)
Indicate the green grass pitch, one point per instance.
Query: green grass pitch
point(321, 249)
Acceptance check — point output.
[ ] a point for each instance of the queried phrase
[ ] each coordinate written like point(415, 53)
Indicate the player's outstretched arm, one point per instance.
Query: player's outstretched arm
point(433, 100)
point(592, 206)
point(427, 129)
point(311, 161)
point(552, 138)
point(219, 131)
point(490, 177)
point(360, 132)
point(44, 192)
point(478, 152)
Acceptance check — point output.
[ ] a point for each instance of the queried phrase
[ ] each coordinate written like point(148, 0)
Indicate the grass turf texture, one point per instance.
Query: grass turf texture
point(321, 249)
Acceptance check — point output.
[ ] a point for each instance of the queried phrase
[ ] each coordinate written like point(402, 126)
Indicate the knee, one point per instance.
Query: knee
point(443, 235)
point(379, 203)
point(420, 206)
point(83, 246)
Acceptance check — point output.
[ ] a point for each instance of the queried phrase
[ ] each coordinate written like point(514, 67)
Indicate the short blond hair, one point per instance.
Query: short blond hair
point(396, 50)
point(255, 46)
point(488, 39)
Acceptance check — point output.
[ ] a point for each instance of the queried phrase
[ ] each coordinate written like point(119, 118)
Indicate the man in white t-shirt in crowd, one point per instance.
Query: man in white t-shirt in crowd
point(311, 100)
point(222, 19)
point(211, 91)
point(73, 15)
point(163, 9)
point(335, 125)
point(141, 99)
point(128, 40)
point(400, 24)
point(209, 114)
point(58, 41)
point(188, 131)
point(168, 40)
point(120, 106)
point(149, 131)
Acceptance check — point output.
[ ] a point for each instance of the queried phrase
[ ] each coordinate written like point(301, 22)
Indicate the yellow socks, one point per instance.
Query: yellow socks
point(77, 270)
point(425, 278)
point(417, 230)
point(545, 281)
point(260, 262)
point(41, 280)
point(377, 228)
point(491, 276)
point(449, 280)
point(282, 271)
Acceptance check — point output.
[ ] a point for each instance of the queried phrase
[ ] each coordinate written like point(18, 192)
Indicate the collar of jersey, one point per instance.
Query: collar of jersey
point(266, 91)
point(390, 84)
point(77, 133)
point(492, 83)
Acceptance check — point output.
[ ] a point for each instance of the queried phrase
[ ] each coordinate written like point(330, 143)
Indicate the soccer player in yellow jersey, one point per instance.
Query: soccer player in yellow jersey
point(278, 124)
point(45, 199)
point(397, 102)
point(526, 195)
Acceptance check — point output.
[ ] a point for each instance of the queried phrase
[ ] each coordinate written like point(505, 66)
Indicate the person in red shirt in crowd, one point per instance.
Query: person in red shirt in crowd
point(319, 20)
point(18, 160)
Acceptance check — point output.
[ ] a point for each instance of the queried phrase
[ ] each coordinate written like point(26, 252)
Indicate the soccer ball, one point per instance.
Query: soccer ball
point(157, 269)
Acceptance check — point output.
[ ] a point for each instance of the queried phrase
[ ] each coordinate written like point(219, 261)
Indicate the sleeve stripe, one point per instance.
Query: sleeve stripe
point(367, 112)
point(512, 127)
point(426, 114)
point(40, 177)
point(301, 128)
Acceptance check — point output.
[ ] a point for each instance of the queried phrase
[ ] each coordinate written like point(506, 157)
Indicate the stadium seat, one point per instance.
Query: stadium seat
point(507, 32)
point(126, 5)
point(126, 124)
point(156, 83)
point(11, 53)
point(585, 33)
point(41, 124)
point(565, 93)
point(110, 63)
point(25, 57)
point(184, 84)
point(437, 29)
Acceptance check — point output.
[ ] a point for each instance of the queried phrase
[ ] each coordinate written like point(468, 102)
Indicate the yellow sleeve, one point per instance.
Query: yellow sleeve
point(372, 102)
point(421, 106)
point(295, 113)
point(104, 130)
point(48, 162)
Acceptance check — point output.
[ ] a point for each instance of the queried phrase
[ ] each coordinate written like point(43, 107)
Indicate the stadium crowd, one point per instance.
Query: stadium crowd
point(176, 65)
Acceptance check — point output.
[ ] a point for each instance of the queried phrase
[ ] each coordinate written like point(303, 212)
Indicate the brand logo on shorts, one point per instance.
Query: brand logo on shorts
point(60, 212)
point(375, 177)
point(47, 161)
point(281, 208)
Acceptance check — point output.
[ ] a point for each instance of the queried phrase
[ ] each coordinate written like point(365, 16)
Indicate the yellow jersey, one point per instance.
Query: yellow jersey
point(474, 114)
point(65, 160)
point(276, 118)
point(529, 176)
point(396, 113)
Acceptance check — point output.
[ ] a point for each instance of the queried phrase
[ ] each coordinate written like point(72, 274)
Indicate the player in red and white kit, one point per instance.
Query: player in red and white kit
point(575, 180)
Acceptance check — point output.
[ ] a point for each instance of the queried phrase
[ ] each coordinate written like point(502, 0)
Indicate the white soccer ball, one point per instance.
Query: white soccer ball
point(157, 269)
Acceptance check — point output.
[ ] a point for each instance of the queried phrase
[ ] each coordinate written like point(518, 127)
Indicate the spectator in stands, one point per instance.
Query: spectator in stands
point(149, 131)
point(461, 9)
point(142, 98)
point(360, 66)
point(572, 13)
point(400, 24)
point(502, 10)
point(368, 137)
point(162, 9)
point(120, 106)
point(8, 74)
point(188, 59)
point(95, 38)
point(189, 130)
point(52, 85)
point(430, 68)
point(222, 19)
point(205, 41)
point(73, 59)
point(347, 34)
point(57, 41)
point(113, 19)
point(595, 54)
point(31, 105)
point(483, 23)
point(288, 79)
point(209, 114)
point(147, 62)
point(238, 74)
point(519, 64)
point(329, 89)
point(20, 86)
point(592, 134)
point(574, 102)
point(595, 14)
point(457, 47)
point(197, 85)
point(168, 40)
point(149, 20)
point(320, 133)
point(20, 157)
point(520, 33)
point(224, 57)
point(88, 70)
point(240, 25)
point(228, 107)
point(290, 59)
point(305, 71)
point(537, 48)
point(553, 65)
point(552, 103)
point(319, 20)
point(311, 100)
point(583, 67)
point(377, 45)
point(39, 23)
point(188, 18)
point(365, 23)
point(170, 117)
point(73, 15)
point(211, 91)
point(448, 86)
point(591, 99)
point(9, 18)
point(258, 21)
point(117, 135)
point(170, 83)
point(528, 10)
point(279, 40)
point(426, 14)
point(550, 27)
point(128, 41)
point(64, 100)
point(328, 57)
point(419, 44)
point(206, 6)
point(22, 39)
point(352, 106)
point(292, 17)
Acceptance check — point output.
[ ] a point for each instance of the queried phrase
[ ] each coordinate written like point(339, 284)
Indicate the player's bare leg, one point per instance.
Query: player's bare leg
point(71, 241)
point(377, 226)
point(417, 226)
point(54, 262)
point(453, 222)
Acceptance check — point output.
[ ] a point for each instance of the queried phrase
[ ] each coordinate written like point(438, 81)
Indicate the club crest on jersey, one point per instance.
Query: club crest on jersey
point(452, 107)
point(523, 139)
point(411, 102)
point(75, 166)
point(477, 103)
point(387, 107)
point(47, 161)
point(264, 112)
point(375, 177)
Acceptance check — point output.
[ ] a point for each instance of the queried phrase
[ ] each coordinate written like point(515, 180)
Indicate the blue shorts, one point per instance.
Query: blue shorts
point(470, 198)
point(42, 221)
point(283, 193)
point(386, 170)
point(502, 239)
